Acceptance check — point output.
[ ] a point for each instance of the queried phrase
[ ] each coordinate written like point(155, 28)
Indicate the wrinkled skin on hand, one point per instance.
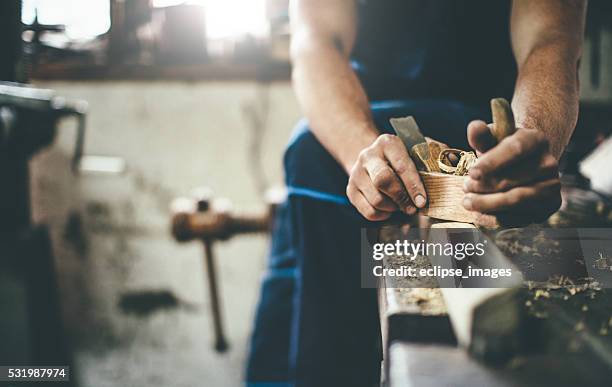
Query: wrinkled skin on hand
point(517, 180)
point(384, 179)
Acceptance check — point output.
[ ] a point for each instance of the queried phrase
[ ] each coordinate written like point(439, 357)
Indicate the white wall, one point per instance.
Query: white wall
point(174, 136)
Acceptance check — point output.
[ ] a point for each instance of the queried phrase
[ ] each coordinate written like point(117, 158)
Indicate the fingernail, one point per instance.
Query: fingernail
point(466, 185)
point(467, 202)
point(419, 200)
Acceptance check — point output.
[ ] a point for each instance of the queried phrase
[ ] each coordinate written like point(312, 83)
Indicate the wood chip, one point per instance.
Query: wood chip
point(466, 161)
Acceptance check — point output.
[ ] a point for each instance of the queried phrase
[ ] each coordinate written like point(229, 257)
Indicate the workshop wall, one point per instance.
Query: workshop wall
point(602, 91)
point(111, 233)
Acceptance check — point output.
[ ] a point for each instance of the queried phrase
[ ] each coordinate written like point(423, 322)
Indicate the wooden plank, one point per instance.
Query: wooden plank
point(410, 310)
point(486, 320)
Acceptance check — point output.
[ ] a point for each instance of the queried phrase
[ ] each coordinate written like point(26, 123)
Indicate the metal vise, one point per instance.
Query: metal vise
point(29, 116)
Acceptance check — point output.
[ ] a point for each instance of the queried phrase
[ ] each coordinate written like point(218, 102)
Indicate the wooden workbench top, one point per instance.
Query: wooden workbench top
point(570, 322)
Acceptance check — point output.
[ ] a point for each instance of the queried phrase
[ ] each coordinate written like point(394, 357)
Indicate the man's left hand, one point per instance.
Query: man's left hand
point(517, 180)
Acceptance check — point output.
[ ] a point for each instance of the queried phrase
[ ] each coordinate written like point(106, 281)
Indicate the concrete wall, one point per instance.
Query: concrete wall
point(111, 232)
point(603, 92)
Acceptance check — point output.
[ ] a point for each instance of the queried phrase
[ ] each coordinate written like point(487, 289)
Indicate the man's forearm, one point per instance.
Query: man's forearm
point(547, 42)
point(333, 101)
point(546, 94)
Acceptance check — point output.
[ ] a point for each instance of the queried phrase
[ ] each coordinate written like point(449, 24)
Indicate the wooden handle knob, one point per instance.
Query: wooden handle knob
point(503, 119)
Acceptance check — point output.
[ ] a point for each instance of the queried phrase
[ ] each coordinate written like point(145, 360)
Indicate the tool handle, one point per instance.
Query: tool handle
point(422, 153)
point(221, 344)
point(503, 119)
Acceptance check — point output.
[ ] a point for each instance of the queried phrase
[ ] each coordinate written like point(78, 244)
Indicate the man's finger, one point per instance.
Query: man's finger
point(385, 180)
point(526, 172)
point(527, 197)
point(523, 144)
point(377, 199)
point(363, 206)
point(480, 137)
point(399, 159)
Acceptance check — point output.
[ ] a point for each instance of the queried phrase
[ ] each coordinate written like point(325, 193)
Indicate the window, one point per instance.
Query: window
point(87, 19)
point(83, 19)
point(228, 18)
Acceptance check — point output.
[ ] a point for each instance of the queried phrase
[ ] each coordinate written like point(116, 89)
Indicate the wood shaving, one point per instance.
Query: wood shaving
point(466, 161)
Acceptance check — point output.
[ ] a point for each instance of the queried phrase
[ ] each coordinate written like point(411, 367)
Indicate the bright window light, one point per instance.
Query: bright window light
point(228, 18)
point(87, 19)
point(83, 19)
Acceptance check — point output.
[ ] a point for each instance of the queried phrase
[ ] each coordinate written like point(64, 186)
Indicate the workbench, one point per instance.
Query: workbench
point(568, 331)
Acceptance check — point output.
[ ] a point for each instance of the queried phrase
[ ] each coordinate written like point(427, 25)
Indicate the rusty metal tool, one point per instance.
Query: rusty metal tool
point(203, 206)
point(199, 217)
point(221, 344)
point(408, 131)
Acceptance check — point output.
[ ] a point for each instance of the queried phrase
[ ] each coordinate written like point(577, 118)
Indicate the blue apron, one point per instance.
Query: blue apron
point(315, 326)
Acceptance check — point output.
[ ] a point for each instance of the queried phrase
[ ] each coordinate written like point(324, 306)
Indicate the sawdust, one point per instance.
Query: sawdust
point(429, 301)
point(585, 300)
point(418, 262)
point(422, 292)
point(515, 241)
point(603, 263)
point(541, 293)
point(562, 282)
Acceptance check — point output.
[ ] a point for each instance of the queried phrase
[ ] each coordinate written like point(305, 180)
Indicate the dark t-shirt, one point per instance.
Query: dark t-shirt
point(442, 49)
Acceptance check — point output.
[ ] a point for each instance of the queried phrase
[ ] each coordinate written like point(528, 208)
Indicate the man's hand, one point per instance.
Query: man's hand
point(384, 180)
point(517, 179)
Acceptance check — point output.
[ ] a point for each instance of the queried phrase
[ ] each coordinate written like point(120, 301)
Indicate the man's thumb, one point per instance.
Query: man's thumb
point(480, 137)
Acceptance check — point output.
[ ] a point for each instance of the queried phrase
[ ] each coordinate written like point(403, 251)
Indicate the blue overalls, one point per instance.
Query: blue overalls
point(315, 325)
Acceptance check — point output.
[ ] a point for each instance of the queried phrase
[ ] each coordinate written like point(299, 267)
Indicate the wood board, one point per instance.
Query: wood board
point(486, 321)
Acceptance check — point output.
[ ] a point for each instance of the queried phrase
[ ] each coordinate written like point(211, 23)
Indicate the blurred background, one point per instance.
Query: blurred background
point(178, 95)
point(151, 99)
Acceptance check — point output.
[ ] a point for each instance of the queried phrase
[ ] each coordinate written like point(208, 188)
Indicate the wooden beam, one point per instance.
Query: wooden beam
point(487, 321)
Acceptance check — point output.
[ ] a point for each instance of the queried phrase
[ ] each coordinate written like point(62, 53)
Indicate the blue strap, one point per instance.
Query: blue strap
point(319, 195)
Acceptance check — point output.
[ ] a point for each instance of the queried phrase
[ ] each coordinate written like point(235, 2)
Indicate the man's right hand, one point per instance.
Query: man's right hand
point(384, 180)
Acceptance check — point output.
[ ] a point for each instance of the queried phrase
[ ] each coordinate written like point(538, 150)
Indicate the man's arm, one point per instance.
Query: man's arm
point(547, 40)
point(382, 176)
point(331, 96)
point(520, 175)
